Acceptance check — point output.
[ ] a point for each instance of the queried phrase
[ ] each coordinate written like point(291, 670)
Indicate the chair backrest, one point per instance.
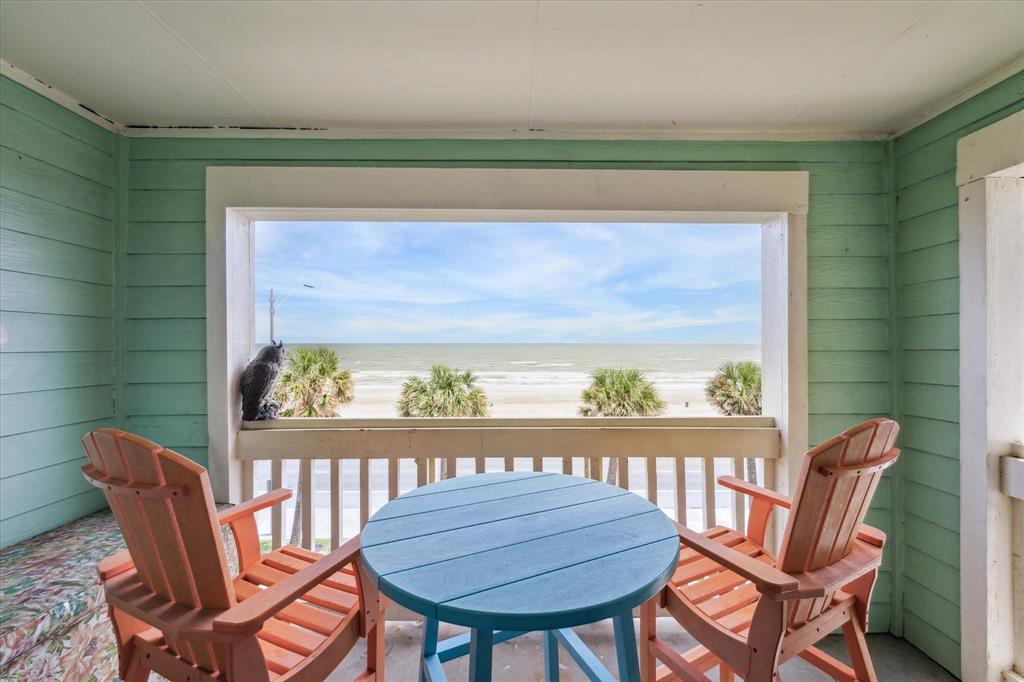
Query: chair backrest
point(164, 505)
point(837, 481)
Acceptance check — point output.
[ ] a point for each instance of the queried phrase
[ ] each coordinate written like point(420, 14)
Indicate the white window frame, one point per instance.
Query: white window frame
point(238, 196)
point(990, 163)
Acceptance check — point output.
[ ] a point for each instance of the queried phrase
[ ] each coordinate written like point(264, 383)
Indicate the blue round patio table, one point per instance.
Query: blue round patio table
point(514, 552)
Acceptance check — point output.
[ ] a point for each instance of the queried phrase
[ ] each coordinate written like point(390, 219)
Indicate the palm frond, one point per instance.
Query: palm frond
point(445, 393)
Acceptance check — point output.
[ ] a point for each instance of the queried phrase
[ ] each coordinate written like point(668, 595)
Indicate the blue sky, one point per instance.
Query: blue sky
point(394, 282)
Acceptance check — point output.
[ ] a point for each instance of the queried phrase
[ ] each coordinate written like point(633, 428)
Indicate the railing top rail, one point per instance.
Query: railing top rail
point(509, 422)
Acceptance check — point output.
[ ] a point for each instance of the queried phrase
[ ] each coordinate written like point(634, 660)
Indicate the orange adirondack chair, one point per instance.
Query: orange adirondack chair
point(750, 611)
point(289, 614)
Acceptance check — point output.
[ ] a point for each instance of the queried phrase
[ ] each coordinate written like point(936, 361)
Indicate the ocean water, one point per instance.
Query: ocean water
point(536, 379)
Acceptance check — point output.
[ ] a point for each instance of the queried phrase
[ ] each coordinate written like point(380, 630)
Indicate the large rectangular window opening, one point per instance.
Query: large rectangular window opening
point(531, 310)
point(549, 320)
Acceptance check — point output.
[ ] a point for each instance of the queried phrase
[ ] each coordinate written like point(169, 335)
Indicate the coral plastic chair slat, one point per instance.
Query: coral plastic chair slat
point(291, 615)
point(749, 620)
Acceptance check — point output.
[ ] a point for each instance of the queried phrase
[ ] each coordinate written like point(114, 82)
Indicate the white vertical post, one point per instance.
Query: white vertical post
point(784, 338)
point(991, 414)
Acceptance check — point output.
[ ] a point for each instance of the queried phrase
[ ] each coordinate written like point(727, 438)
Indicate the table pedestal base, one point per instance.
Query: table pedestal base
point(478, 644)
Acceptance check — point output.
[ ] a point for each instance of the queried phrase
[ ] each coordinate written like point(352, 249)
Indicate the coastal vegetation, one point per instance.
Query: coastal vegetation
point(619, 393)
point(445, 393)
point(313, 384)
point(735, 390)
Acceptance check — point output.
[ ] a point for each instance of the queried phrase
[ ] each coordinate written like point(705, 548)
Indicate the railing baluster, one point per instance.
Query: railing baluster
point(737, 498)
point(247, 476)
point(652, 480)
point(567, 465)
point(276, 470)
point(481, 465)
point(624, 473)
point(595, 468)
point(538, 464)
point(393, 466)
point(510, 464)
point(336, 508)
point(680, 471)
point(770, 481)
point(421, 472)
point(709, 492)
point(308, 532)
point(450, 467)
point(364, 492)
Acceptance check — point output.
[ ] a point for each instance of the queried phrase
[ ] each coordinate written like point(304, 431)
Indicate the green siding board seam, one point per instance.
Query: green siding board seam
point(896, 529)
point(18, 97)
point(29, 215)
point(55, 514)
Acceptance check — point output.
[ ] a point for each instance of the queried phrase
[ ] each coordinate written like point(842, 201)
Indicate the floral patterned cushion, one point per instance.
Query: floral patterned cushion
point(85, 652)
point(53, 617)
point(50, 582)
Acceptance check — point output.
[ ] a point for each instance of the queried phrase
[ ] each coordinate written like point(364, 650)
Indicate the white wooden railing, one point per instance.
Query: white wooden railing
point(414, 452)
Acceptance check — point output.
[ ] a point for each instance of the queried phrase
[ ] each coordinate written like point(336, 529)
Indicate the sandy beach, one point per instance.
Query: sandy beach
point(542, 399)
point(536, 380)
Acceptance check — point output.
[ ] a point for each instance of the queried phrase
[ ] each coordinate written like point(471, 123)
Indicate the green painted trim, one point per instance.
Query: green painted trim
point(897, 549)
point(120, 296)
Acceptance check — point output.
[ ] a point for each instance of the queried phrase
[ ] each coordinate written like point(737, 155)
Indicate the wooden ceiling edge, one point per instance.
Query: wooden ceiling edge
point(56, 96)
point(249, 132)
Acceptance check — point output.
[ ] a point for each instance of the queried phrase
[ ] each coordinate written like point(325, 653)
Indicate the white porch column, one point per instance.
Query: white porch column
point(991, 390)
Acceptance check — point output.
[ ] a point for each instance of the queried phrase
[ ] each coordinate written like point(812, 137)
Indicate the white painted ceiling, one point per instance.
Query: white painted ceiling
point(643, 67)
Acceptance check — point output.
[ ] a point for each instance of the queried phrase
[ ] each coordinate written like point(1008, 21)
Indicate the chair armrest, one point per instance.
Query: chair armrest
point(755, 491)
point(862, 559)
point(253, 505)
point(768, 579)
point(250, 615)
point(115, 564)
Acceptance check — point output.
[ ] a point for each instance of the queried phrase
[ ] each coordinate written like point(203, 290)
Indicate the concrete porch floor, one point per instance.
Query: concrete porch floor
point(521, 659)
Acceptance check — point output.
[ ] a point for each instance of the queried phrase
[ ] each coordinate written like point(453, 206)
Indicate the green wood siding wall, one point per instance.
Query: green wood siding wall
point(849, 309)
point(927, 278)
point(57, 213)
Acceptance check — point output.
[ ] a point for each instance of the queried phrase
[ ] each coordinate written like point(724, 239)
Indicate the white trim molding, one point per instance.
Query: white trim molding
point(235, 197)
point(991, 219)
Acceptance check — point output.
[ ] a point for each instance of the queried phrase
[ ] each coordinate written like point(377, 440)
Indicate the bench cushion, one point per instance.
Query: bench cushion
point(50, 582)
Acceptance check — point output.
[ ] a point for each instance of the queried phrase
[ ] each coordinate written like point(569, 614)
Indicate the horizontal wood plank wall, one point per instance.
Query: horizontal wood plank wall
point(848, 251)
point(57, 199)
point(927, 280)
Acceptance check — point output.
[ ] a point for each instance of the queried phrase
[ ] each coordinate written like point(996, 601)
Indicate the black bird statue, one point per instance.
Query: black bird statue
point(258, 381)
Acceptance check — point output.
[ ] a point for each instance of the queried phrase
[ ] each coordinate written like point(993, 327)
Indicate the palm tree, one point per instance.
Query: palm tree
point(445, 393)
point(620, 393)
point(312, 385)
point(735, 389)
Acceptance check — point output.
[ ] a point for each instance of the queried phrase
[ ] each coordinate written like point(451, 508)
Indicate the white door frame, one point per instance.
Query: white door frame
point(237, 196)
point(990, 163)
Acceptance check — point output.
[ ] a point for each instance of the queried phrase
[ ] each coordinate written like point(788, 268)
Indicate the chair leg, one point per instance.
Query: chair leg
point(137, 671)
point(648, 631)
point(375, 652)
point(857, 646)
point(725, 674)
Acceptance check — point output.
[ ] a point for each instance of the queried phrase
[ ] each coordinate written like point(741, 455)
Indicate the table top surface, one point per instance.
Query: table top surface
point(520, 550)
